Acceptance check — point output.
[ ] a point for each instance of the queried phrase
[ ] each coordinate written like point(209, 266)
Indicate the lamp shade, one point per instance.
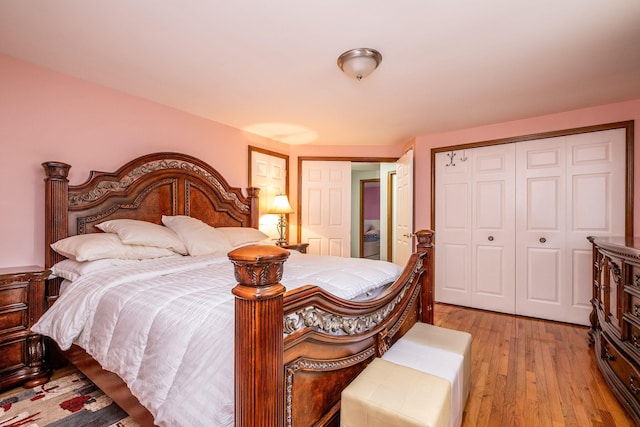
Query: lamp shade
point(359, 63)
point(280, 205)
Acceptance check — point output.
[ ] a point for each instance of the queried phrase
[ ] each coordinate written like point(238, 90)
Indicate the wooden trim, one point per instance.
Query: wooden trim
point(628, 125)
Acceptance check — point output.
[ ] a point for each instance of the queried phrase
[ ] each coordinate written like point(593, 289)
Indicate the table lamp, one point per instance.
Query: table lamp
point(281, 207)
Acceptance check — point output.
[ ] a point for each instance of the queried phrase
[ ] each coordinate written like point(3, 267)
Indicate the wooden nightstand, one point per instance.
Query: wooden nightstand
point(300, 247)
point(22, 302)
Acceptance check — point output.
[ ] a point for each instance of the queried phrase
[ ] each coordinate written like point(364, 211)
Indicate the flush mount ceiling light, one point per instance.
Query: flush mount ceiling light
point(359, 63)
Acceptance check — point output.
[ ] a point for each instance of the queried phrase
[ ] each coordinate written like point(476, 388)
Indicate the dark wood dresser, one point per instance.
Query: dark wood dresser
point(615, 319)
point(22, 302)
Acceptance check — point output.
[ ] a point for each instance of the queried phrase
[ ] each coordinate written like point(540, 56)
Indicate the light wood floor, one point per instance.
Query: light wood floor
point(529, 372)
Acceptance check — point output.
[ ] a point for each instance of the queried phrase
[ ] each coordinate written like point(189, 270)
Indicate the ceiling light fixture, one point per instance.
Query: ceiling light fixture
point(359, 63)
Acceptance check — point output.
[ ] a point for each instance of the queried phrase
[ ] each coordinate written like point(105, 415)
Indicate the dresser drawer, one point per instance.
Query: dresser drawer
point(634, 276)
point(634, 335)
point(633, 308)
point(624, 370)
point(14, 294)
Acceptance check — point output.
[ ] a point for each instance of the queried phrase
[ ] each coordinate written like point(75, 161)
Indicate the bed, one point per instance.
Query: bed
point(294, 349)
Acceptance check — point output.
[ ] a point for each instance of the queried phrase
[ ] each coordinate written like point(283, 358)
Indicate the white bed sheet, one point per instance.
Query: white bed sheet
point(125, 318)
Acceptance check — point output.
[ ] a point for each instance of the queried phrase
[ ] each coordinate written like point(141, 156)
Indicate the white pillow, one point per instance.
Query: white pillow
point(135, 232)
point(90, 247)
point(198, 237)
point(240, 236)
point(73, 270)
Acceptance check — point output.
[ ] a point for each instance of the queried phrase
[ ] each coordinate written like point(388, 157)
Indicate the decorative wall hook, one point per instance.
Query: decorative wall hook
point(451, 155)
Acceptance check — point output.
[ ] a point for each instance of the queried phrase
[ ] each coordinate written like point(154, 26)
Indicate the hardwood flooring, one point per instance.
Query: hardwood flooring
point(530, 372)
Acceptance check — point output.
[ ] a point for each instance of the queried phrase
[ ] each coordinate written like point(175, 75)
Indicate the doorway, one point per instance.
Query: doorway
point(370, 218)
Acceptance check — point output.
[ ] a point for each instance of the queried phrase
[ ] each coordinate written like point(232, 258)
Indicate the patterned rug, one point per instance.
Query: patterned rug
point(69, 401)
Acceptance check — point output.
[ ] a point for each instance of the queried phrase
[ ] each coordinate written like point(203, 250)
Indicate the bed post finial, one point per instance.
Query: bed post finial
point(56, 208)
point(259, 328)
point(425, 244)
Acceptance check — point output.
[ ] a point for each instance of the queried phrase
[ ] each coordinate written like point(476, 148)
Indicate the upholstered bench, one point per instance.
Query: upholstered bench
point(441, 352)
point(386, 394)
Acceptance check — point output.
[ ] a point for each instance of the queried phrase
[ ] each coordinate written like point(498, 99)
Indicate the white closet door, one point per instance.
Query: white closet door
point(541, 270)
point(493, 225)
point(326, 207)
point(569, 188)
point(595, 182)
point(453, 222)
point(512, 222)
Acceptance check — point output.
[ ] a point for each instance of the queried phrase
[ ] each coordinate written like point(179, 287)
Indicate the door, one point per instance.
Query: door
point(453, 222)
point(512, 236)
point(403, 197)
point(475, 216)
point(571, 190)
point(269, 174)
point(326, 207)
point(492, 228)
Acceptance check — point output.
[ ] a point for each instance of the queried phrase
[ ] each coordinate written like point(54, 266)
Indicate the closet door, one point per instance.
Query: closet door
point(493, 226)
point(541, 258)
point(569, 188)
point(512, 222)
point(475, 218)
point(453, 222)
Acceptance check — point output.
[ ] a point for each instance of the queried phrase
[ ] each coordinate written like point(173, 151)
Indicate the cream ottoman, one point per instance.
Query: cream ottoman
point(438, 351)
point(386, 394)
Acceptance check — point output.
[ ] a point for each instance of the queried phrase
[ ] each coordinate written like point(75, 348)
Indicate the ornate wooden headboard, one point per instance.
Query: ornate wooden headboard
point(145, 188)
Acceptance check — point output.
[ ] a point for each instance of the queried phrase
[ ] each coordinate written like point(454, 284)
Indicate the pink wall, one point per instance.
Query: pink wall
point(45, 115)
point(50, 116)
point(572, 119)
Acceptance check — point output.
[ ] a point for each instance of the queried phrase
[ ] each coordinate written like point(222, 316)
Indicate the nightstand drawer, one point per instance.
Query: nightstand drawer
point(15, 294)
point(13, 321)
point(22, 302)
point(12, 355)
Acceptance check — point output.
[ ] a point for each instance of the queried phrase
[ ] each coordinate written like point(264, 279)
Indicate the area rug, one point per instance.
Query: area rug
point(69, 401)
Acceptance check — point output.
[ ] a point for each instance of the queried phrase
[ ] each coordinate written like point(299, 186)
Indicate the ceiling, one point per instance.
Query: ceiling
point(269, 67)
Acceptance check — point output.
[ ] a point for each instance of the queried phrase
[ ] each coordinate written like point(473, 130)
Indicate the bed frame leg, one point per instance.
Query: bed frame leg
point(259, 344)
point(425, 244)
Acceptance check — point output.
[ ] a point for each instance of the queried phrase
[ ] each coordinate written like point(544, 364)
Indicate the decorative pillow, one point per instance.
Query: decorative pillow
point(90, 247)
point(198, 237)
point(73, 270)
point(239, 236)
point(135, 232)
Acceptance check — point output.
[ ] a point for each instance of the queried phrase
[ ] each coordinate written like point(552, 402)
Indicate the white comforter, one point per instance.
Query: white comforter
point(166, 325)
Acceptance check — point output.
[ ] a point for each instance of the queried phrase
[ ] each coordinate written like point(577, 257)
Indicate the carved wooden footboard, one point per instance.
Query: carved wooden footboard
point(296, 352)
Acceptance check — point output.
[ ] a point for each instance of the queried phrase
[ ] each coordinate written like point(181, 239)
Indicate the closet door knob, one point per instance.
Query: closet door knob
point(490, 238)
point(543, 240)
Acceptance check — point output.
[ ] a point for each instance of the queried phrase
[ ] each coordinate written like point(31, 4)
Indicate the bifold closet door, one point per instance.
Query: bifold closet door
point(512, 222)
point(475, 253)
point(569, 188)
